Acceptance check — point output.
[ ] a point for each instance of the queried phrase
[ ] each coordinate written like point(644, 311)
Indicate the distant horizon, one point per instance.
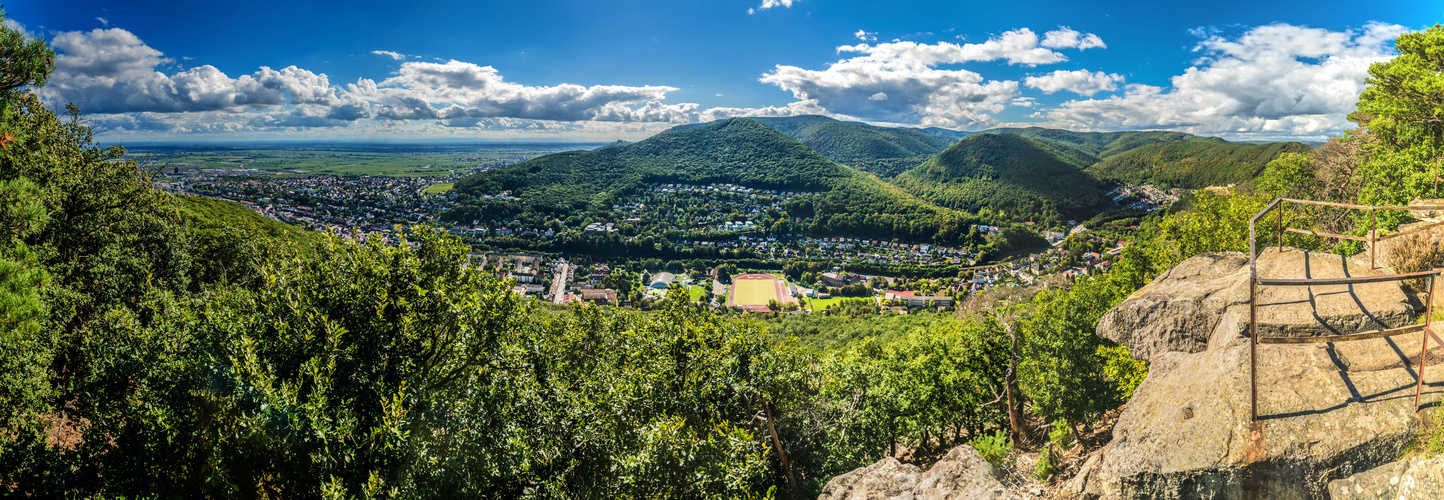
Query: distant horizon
point(579, 71)
point(192, 141)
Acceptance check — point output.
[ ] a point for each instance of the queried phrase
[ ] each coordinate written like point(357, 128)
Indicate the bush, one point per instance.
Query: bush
point(1120, 367)
point(1414, 253)
point(994, 447)
point(1059, 440)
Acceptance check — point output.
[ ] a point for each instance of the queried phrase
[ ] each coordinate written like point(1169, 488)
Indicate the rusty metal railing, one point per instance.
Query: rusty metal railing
point(1255, 281)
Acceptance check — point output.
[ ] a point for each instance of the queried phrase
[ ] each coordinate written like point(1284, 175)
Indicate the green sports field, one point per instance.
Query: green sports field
point(752, 292)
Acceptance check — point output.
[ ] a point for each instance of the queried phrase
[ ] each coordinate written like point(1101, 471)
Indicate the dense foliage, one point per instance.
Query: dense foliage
point(1193, 164)
point(881, 151)
point(1002, 174)
point(155, 346)
point(1172, 159)
point(737, 151)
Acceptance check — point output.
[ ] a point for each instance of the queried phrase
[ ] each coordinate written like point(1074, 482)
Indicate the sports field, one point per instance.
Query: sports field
point(439, 188)
point(752, 292)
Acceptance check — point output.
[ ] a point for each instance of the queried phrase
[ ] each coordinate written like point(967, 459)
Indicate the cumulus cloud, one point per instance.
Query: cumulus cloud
point(900, 82)
point(798, 108)
point(767, 4)
point(394, 55)
point(1066, 38)
point(113, 74)
point(1080, 82)
point(457, 89)
point(1275, 80)
point(865, 36)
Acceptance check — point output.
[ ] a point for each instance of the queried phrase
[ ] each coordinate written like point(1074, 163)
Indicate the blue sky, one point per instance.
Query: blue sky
point(590, 70)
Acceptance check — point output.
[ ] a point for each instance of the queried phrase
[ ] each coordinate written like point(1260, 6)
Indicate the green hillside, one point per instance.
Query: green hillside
point(1009, 173)
point(737, 151)
point(208, 215)
point(1162, 157)
point(883, 151)
point(1193, 164)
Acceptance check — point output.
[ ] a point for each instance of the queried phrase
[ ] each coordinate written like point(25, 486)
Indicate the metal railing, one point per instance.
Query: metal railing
point(1255, 281)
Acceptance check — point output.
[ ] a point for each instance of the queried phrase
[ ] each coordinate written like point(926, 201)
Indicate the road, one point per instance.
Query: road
point(559, 281)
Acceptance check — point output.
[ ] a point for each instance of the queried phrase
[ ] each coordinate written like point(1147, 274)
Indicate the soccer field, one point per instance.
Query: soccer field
point(753, 292)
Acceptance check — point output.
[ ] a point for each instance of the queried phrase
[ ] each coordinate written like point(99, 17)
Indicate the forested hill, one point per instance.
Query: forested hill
point(883, 151)
point(1161, 157)
point(1193, 164)
point(737, 151)
point(1008, 173)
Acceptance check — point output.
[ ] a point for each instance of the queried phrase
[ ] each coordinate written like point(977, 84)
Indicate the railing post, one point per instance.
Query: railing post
point(1281, 227)
point(1373, 235)
point(1424, 349)
point(1253, 348)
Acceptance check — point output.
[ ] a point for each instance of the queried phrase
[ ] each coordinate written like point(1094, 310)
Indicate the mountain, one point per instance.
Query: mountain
point(943, 132)
point(883, 151)
point(1009, 173)
point(1163, 157)
point(614, 144)
point(736, 151)
point(1193, 164)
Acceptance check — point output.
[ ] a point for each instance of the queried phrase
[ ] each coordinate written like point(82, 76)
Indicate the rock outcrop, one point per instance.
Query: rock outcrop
point(962, 474)
point(1326, 411)
point(1203, 303)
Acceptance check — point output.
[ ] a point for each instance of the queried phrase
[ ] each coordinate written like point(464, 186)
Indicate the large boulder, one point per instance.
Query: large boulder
point(1204, 302)
point(1187, 433)
point(962, 474)
point(1179, 310)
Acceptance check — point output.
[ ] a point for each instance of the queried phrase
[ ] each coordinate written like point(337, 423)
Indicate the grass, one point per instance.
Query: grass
point(440, 188)
point(696, 292)
point(753, 292)
point(820, 304)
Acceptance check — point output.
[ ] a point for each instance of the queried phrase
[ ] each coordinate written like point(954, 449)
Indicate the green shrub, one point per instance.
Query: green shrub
point(1120, 367)
point(994, 447)
point(1060, 438)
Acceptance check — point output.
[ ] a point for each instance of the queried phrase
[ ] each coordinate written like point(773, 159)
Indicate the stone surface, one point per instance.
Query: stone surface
point(1379, 483)
point(1427, 215)
point(1186, 433)
point(886, 478)
point(1401, 480)
point(1179, 310)
point(962, 474)
point(1203, 303)
point(1425, 479)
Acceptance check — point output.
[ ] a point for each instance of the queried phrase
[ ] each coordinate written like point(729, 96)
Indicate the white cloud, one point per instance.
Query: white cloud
point(1080, 82)
point(113, 74)
point(865, 36)
point(768, 4)
point(1020, 46)
point(1273, 81)
point(103, 21)
point(900, 82)
point(804, 107)
point(394, 55)
point(1066, 38)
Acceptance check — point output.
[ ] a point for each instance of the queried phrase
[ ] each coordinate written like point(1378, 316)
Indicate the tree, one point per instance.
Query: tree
point(1402, 108)
point(26, 62)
